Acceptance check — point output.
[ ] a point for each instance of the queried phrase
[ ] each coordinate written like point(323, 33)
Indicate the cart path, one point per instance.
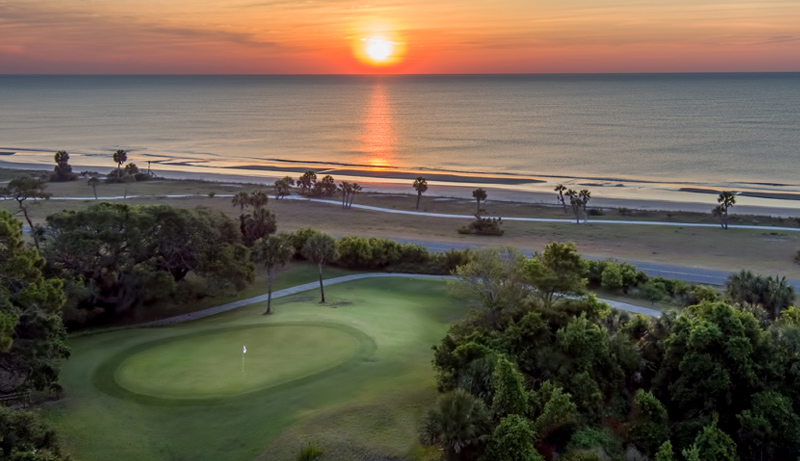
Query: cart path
point(346, 278)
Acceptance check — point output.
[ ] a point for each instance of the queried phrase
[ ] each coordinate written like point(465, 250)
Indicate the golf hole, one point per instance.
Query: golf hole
point(209, 365)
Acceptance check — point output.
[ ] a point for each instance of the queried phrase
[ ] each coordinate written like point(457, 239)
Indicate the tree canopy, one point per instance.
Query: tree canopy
point(124, 256)
point(32, 335)
point(710, 382)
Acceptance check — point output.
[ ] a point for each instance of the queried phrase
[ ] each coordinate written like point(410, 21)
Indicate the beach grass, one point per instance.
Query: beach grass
point(361, 391)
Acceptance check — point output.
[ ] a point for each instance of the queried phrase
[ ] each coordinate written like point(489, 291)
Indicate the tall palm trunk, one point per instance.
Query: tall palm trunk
point(321, 287)
point(270, 276)
point(419, 196)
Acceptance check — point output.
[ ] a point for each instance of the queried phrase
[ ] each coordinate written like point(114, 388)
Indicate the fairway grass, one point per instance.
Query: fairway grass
point(353, 375)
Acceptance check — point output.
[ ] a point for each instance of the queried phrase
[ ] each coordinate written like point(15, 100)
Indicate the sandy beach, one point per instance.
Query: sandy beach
point(522, 189)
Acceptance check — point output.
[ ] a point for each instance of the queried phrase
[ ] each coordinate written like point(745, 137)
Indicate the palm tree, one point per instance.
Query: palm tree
point(421, 185)
point(307, 181)
point(726, 200)
point(346, 189)
point(576, 202)
point(258, 199)
point(561, 189)
point(779, 295)
point(356, 188)
point(585, 195)
point(283, 187)
point(273, 251)
point(479, 195)
point(93, 181)
point(120, 157)
point(258, 225)
point(458, 421)
point(242, 200)
point(320, 248)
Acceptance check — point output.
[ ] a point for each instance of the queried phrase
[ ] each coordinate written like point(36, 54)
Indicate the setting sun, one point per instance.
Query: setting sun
point(378, 49)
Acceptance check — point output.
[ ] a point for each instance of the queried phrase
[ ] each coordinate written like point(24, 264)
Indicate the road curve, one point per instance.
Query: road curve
point(457, 216)
point(686, 274)
point(346, 278)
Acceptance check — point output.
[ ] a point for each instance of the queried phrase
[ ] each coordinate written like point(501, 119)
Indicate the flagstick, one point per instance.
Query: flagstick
point(242, 363)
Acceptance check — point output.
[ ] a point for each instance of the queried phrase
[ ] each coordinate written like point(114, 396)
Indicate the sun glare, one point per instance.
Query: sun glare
point(379, 50)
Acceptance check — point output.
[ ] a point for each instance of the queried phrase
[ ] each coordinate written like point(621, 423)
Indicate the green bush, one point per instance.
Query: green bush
point(653, 291)
point(374, 253)
point(595, 440)
point(649, 426)
point(483, 226)
point(299, 238)
point(594, 271)
point(611, 278)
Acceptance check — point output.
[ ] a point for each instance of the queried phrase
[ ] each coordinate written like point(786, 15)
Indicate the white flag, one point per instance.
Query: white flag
point(244, 349)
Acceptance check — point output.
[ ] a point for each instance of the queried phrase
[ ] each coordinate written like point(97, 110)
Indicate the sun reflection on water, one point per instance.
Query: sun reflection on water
point(377, 141)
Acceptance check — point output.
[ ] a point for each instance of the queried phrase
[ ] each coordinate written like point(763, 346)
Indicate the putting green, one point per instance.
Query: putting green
point(209, 365)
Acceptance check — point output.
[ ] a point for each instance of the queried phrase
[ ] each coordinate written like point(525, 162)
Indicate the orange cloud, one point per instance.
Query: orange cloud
point(439, 36)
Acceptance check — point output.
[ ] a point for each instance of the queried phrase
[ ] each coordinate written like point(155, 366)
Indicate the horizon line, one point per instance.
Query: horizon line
point(385, 74)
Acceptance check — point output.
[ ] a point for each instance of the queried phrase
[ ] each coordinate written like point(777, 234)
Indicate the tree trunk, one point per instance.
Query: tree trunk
point(94, 189)
point(321, 287)
point(419, 196)
point(30, 224)
point(270, 276)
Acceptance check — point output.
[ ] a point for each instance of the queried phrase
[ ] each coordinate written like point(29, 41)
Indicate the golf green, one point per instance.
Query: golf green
point(210, 365)
point(352, 375)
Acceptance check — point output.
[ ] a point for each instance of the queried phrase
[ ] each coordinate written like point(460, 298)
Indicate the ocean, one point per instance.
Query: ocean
point(672, 131)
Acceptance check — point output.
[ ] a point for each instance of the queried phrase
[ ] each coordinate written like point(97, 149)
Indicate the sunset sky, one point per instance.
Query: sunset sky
point(422, 36)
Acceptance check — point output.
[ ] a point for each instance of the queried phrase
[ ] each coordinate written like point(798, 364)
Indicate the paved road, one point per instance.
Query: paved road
point(460, 216)
point(346, 278)
point(687, 274)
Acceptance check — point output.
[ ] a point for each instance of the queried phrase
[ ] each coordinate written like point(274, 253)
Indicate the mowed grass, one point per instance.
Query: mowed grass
point(353, 376)
point(206, 365)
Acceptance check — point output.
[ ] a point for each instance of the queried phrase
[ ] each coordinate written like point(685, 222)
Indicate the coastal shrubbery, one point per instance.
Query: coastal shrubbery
point(615, 275)
point(483, 226)
point(363, 253)
point(579, 381)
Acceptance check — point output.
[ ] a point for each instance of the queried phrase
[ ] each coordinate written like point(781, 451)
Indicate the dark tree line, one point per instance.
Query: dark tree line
point(115, 257)
point(32, 343)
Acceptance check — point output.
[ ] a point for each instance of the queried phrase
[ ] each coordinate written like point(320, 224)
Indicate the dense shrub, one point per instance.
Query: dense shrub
point(483, 226)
